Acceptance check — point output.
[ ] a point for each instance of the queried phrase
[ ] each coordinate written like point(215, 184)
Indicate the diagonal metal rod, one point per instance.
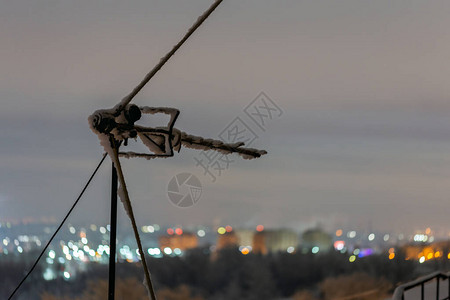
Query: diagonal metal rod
point(125, 101)
point(112, 235)
point(129, 210)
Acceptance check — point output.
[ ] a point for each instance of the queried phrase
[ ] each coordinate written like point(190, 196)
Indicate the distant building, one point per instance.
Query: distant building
point(259, 243)
point(427, 251)
point(264, 242)
point(281, 240)
point(183, 242)
point(272, 241)
point(313, 238)
point(229, 239)
point(245, 237)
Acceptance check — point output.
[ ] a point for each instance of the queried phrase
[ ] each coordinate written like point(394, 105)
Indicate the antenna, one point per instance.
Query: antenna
point(116, 125)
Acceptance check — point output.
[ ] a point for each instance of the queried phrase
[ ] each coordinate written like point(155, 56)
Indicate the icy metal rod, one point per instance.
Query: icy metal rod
point(113, 235)
point(125, 101)
point(129, 210)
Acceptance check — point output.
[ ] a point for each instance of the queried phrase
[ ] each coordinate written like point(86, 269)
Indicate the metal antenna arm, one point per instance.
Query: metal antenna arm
point(129, 210)
point(126, 100)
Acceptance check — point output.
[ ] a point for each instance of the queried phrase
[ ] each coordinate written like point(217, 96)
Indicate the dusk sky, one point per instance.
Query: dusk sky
point(364, 140)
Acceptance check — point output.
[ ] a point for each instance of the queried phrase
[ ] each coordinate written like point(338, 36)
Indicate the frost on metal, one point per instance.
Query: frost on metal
point(111, 124)
point(123, 199)
point(116, 125)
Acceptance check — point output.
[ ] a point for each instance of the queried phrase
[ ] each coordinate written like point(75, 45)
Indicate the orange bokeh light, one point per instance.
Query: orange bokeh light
point(245, 251)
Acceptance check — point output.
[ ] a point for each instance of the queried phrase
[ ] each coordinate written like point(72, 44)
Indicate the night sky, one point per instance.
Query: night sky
point(363, 141)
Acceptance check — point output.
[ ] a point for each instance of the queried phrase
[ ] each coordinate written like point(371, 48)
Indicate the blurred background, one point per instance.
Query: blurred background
point(357, 171)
